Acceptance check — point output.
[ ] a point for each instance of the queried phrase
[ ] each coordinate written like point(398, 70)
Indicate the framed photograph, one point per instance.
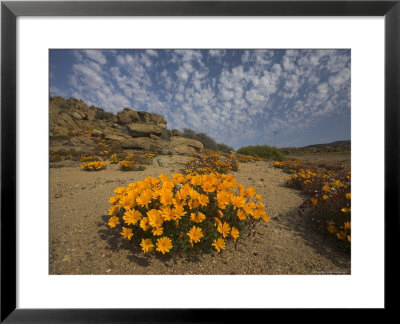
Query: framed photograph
point(152, 146)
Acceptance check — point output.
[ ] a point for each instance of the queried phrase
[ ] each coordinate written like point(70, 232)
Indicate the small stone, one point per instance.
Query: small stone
point(58, 195)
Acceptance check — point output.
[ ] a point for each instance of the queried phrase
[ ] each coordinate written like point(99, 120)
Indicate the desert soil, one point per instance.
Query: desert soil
point(82, 243)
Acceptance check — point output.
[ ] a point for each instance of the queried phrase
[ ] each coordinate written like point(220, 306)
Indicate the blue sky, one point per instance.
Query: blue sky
point(238, 97)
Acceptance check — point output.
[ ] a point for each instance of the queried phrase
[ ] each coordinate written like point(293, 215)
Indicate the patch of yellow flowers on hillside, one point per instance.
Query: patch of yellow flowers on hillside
point(185, 211)
point(94, 166)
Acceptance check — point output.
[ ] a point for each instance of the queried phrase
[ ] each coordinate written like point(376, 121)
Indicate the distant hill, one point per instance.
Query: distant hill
point(338, 146)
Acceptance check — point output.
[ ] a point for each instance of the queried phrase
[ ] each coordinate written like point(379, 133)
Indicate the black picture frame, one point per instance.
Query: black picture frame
point(11, 10)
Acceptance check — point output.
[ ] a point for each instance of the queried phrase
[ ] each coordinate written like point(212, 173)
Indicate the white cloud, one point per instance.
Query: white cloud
point(96, 55)
point(151, 52)
point(216, 52)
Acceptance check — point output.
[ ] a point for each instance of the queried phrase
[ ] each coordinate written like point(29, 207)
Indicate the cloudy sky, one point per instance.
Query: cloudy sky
point(238, 97)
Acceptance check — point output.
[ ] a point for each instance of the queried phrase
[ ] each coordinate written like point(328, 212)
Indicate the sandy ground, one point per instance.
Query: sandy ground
point(82, 243)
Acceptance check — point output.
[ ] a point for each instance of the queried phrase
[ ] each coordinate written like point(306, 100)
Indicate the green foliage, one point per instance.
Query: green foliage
point(103, 115)
point(264, 151)
point(207, 141)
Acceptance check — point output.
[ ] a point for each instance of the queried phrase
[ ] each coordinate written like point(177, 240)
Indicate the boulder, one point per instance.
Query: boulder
point(114, 137)
point(182, 146)
point(171, 161)
point(127, 116)
point(96, 132)
point(155, 137)
point(158, 119)
point(76, 115)
point(143, 130)
point(143, 143)
point(66, 120)
point(144, 117)
point(90, 114)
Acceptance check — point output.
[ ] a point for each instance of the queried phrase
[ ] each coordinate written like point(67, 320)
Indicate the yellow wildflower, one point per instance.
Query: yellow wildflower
point(144, 223)
point(265, 217)
point(238, 201)
point(179, 212)
point(223, 198)
point(250, 192)
point(219, 244)
point(197, 217)
point(113, 200)
point(147, 245)
point(241, 214)
point(127, 233)
point(326, 188)
point(332, 229)
point(131, 217)
point(224, 229)
point(157, 231)
point(164, 244)
point(113, 210)
point(155, 218)
point(195, 234)
point(341, 235)
point(234, 233)
point(113, 221)
point(203, 200)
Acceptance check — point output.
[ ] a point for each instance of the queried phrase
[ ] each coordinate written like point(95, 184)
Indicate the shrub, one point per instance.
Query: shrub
point(184, 213)
point(129, 165)
point(103, 115)
point(225, 148)
point(207, 141)
point(114, 158)
point(212, 163)
point(232, 160)
point(94, 166)
point(60, 155)
point(263, 151)
point(144, 158)
point(247, 158)
point(87, 157)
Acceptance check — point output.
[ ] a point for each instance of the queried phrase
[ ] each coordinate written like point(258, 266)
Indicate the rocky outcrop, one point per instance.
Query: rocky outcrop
point(129, 116)
point(76, 125)
point(143, 130)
